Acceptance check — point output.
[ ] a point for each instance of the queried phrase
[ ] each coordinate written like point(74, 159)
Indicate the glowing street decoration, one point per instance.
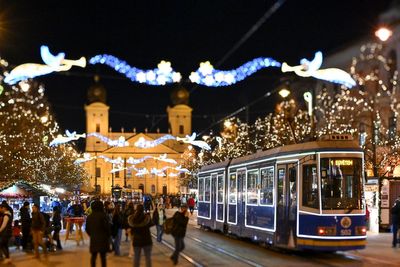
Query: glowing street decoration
point(311, 69)
point(208, 76)
point(60, 139)
point(117, 169)
point(143, 143)
point(86, 157)
point(53, 64)
point(120, 142)
point(160, 76)
point(134, 161)
point(191, 140)
point(140, 171)
point(165, 159)
point(117, 161)
point(157, 172)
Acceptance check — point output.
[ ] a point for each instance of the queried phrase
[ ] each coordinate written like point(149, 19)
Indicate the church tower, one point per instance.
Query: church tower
point(180, 114)
point(96, 116)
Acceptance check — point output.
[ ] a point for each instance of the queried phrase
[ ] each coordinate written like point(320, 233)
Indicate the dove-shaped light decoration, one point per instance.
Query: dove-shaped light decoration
point(141, 171)
point(165, 159)
point(312, 69)
point(157, 172)
point(191, 140)
point(180, 169)
point(60, 139)
point(86, 157)
point(120, 142)
point(52, 64)
point(143, 143)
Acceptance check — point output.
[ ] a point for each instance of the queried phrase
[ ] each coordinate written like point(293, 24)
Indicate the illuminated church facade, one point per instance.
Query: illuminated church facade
point(112, 168)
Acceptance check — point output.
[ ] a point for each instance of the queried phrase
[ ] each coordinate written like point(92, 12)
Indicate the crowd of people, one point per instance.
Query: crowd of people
point(106, 221)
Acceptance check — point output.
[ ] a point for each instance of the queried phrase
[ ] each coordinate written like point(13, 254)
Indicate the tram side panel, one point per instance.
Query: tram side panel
point(211, 205)
point(249, 215)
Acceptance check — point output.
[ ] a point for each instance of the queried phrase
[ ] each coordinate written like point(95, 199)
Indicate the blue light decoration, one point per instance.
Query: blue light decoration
point(160, 76)
point(208, 76)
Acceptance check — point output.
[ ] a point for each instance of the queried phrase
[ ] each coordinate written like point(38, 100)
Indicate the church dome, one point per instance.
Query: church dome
point(96, 92)
point(180, 96)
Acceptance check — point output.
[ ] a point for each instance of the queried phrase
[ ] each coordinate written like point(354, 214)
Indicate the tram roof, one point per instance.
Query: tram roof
point(317, 146)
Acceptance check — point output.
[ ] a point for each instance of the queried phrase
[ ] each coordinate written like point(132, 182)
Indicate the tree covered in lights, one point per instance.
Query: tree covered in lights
point(367, 111)
point(240, 139)
point(26, 129)
point(192, 162)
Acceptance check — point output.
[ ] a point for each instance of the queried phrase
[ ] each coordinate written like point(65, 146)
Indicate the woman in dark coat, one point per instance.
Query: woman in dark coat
point(140, 224)
point(56, 222)
point(99, 230)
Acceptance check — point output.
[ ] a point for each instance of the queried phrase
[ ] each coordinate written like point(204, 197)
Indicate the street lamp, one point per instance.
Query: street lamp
point(383, 33)
point(284, 92)
point(308, 98)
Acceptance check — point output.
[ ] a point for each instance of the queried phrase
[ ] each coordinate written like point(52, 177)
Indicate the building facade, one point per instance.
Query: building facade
point(156, 169)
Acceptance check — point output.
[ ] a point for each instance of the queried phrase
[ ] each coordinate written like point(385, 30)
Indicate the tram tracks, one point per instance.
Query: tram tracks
point(212, 248)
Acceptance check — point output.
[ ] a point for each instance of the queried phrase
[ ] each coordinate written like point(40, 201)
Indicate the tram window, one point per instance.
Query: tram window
point(232, 188)
point(267, 186)
point(252, 179)
point(341, 187)
point(207, 189)
point(310, 186)
point(220, 197)
point(201, 189)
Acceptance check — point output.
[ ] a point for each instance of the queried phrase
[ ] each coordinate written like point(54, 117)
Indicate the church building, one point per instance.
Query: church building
point(157, 169)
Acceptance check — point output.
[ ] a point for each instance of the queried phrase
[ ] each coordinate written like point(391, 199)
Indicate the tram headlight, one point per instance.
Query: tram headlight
point(325, 230)
point(361, 230)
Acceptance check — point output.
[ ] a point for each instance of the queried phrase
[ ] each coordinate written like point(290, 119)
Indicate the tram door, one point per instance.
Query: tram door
point(286, 204)
point(213, 199)
point(241, 201)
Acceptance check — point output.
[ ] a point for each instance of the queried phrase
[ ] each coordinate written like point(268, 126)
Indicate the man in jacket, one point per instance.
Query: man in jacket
point(25, 219)
point(99, 230)
point(5, 232)
point(395, 212)
point(181, 219)
point(38, 227)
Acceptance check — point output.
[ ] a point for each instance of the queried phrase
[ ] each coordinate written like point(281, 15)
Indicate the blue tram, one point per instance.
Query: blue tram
point(305, 196)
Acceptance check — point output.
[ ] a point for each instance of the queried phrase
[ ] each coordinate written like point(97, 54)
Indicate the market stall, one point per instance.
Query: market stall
point(16, 193)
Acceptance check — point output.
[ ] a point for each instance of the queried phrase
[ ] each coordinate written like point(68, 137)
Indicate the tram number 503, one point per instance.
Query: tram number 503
point(345, 232)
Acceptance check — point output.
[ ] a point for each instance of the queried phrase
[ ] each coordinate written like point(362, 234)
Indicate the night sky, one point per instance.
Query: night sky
point(183, 32)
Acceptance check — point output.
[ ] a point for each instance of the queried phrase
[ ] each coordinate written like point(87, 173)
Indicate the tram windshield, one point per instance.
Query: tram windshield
point(341, 183)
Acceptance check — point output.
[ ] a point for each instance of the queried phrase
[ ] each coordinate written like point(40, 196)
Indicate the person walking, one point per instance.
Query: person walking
point(5, 232)
point(181, 219)
point(129, 210)
point(159, 218)
point(191, 203)
point(56, 223)
point(99, 230)
point(395, 212)
point(38, 228)
point(140, 223)
point(25, 219)
point(116, 232)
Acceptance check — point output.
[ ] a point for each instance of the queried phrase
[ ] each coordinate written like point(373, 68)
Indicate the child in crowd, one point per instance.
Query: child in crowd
point(17, 233)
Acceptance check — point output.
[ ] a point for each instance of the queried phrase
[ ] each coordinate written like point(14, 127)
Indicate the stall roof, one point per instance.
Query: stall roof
point(21, 189)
